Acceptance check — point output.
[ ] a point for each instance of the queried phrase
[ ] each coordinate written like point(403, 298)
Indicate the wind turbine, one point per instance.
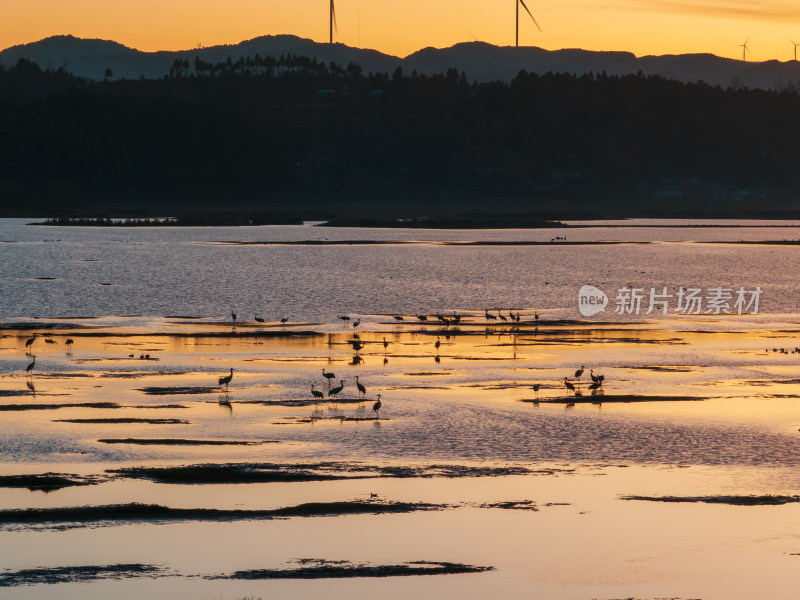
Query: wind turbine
point(742, 46)
point(795, 49)
point(518, 2)
point(333, 22)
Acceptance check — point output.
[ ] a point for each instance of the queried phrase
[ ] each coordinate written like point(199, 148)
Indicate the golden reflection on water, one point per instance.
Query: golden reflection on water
point(458, 403)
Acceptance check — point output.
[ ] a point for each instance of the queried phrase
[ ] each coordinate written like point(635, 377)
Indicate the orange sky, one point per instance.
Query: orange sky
point(399, 28)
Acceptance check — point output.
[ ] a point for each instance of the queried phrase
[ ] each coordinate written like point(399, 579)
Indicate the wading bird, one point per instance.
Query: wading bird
point(337, 389)
point(422, 317)
point(316, 393)
point(29, 368)
point(69, 343)
point(398, 318)
point(49, 341)
point(233, 315)
point(570, 387)
point(284, 320)
point(536, 389)
point(361, 389)
point(385, 345)
point(29, 343)
point(356, 323)
point(437, 344)
point(593, 376)
point(377, 406)
point(257, 318)
point(328, 376)
point(595, 385)
point(488, 316)
point(579, 373)
point(227, 379)
point(344, 318)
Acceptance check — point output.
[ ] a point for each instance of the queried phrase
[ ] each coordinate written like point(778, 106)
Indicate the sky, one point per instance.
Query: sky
point(640, 26)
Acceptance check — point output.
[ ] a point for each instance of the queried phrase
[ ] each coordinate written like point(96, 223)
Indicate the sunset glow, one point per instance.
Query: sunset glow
point(640, 26)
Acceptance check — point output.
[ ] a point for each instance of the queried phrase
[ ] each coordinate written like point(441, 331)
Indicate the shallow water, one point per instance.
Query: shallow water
point(711, 409)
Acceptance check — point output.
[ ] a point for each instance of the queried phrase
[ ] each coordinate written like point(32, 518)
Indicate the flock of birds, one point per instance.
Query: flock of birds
point(29, 350)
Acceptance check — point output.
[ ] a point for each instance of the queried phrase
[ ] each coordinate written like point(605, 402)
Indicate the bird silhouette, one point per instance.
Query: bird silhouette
point(595, 385)
point(398, 318)
point(356, 323)
point(337, 389)
point(579, 373)
point(488, 316)
point(29, 343)
point(258, 319)
point(570, 387)
point(437, 344)
point(29, 368)
point(285, 320)
point(328, 376)
point(422, 317)
point(69, 343)
point(316, 393)
point(49, 341)
point(593, 376)
point(361, 389)
point(233, 315)
point(344, 318)
point(536, 389)
point(226, 380)
point(385, 345)
point(377, 406)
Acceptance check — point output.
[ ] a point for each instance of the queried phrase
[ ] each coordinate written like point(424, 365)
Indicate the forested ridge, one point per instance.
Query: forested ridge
point(294, 136)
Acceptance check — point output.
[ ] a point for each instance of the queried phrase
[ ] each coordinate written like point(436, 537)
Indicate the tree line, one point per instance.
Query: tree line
point(297, 135)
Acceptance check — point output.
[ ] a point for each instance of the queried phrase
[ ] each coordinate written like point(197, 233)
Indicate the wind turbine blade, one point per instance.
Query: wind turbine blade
point(333, 15)
point(530, 15)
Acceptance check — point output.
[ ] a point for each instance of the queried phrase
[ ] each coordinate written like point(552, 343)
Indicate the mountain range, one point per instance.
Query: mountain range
point(480, 61)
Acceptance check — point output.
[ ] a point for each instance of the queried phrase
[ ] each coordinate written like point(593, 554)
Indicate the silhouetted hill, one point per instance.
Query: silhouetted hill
point(481, 62)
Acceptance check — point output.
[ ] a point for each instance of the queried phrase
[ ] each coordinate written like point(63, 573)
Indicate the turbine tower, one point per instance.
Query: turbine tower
point(795, 49)
point(744, 48)
point(333, 26)
point(518, 2)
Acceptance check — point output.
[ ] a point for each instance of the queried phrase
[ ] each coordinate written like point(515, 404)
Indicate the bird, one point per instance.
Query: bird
point(595, 385)
point(258, 319)
point(579, 373)
point(29, 368)
point(456, 318)
point(593, 376)
point(356, 345)
point(316, 393)
point(30, 341)
point(49, 341)
point(284, 320)
point(328, 376)
point(356, 336)
point(502, 318)
point(356, 323)
point(377, 406)
point(69, 343)
point(344, 318)
point(337, 389)
point(536, 389)
point(398, 318)
point(437, 344)
point(422, 317)
point(488, 316)
point(233, 315)
point(360, 387)
point(570, 387)
point(227, 379)
point(385, 344)
point(601, 378)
